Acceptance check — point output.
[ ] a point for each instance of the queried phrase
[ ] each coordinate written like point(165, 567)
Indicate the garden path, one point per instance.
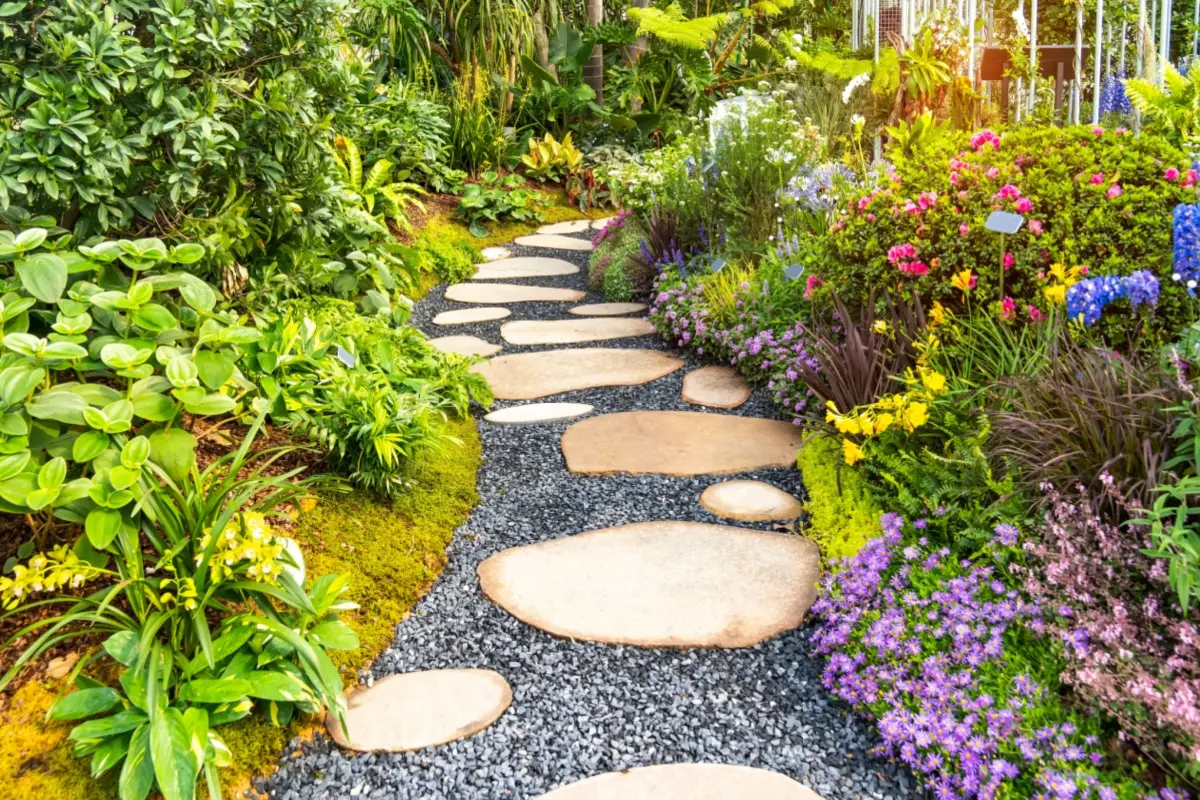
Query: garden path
point(582, 710)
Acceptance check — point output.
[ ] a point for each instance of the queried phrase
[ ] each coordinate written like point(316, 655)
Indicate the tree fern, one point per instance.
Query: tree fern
point(1174, 108)
point(672, 25)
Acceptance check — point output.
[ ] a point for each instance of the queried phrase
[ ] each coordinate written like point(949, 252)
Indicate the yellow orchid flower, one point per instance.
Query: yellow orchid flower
point(852, 452)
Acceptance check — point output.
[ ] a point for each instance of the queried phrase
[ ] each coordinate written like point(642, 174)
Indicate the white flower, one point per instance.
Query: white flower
point(1018, 16)
point(790, 63)
point(855, 82)
point(858, 120)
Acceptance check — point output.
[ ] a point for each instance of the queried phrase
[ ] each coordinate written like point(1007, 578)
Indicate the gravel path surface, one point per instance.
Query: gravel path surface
point(580, 709)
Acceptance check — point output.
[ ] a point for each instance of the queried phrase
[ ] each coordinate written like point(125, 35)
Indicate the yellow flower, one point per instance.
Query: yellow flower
point(1056, 294)
point(915, 415)
point(962, 281)
point(880, 326)
point(934, 381)
point(937, 314)
point(307, 504)
point(883, 422)
point(852, 452)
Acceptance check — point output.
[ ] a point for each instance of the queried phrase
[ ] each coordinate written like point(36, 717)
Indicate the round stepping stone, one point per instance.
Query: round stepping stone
point(570, 226)
point(535, 413)
point(686, 782)
point(465, 346)
point(526, 267)
point(678, 443)
point(489, 293)
point(421, 709)
point(527, 376)
point(495, 253)
point(659, 584)
point(601, 224)
point(466, 316)
point(750, 501)
point(553, 242)
point(715, 387)
point(607, 309)
point(570, 331)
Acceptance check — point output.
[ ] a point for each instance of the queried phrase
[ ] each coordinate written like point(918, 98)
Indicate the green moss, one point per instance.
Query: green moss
point(842, 515)
point(499, 233)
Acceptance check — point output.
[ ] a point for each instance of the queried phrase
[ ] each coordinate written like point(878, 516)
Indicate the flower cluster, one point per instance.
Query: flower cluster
point(904, 256)
point(611, 227)
point(57, 569)
point(1113, 99)
point(818, 189)
point(1087, 299)
point(247, 542)
point(984, 138)
point(906, 411)
point(1187, 246)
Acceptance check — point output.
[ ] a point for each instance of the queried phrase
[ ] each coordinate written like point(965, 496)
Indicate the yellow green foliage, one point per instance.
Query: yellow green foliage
point(549, 159)
point(35, 759)
point(501, 233)
point(842, 515)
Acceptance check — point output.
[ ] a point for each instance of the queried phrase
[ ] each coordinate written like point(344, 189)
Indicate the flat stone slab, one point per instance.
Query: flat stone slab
point(422, 709)
point(750, 501)
point(571, 331)
point(535, 413)
point(465, 316)
point(678, 443)
point(686, 782)
point(495, 253)
point(600, 224)
point(659, 584)
point(465, 345)
point(715, 387)
point(607, 309)
point(553, 242)
point(525, 267)
point(527, 376)
point(490, 293)
point(570, 226)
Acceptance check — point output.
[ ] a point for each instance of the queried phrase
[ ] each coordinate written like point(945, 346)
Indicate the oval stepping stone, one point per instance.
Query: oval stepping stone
point(570, 226)
point(465, 345)
point(489, 293)
point(569, 331)
point(527, 376)
point(465, 316)
point(678, 443)
point(421, 709)
point(750, 501)
point(495, 253)
point(534, 413)
point(607, 309)
point(527, 267)
point(659, 584)
point(715, 387)
point(553, 242)
point(686, 782)
point(601, 224)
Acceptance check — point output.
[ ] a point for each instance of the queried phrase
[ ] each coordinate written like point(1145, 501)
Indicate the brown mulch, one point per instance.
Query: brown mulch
point(435, 205)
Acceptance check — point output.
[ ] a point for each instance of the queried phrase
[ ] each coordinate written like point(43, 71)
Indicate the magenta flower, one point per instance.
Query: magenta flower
point(1009, 260)
point(1024, 205)
point(1114, 191)
point(1096, 179)
point(964, 229)
point(1171, 174)
point(1035, 226)
point(1008, 308)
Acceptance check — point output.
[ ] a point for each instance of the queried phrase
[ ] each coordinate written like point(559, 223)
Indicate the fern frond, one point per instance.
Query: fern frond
point(377, 175)
point(672, 25)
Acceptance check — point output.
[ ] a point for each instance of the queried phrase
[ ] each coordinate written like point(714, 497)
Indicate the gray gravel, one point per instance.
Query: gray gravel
point(580, 709)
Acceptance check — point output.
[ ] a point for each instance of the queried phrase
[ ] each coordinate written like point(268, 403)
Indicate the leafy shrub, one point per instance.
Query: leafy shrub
point(375, 188)
point(496, 198)
point(842, 514)
point(550, 160)
point(1094, 201)
point(452, 260)
point(617, 286)
point(206, 617)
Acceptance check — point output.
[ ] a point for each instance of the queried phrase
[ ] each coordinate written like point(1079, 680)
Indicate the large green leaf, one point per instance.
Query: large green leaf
point(335, 635)
point(88, 445)
point(278, 686)
point(85, 703)
point(44, 275)
point(102, 526)
point(229, 690)
point(565, 43)
point(155, 407)
point(214, 368)
point(122, 721)
point(173, 449)
point(65, 407)
point(174, 766)
point(137, 773)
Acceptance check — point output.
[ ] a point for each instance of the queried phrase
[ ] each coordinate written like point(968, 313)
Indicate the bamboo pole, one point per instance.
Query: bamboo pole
point(1096, 60)
point(1075, 87)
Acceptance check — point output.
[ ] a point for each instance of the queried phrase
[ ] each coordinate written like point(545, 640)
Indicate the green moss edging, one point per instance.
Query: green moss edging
point(842, 515)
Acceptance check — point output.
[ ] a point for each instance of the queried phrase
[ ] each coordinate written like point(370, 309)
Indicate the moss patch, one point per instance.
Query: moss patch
point(35, 757)
point(842, 515)
point(443, 225)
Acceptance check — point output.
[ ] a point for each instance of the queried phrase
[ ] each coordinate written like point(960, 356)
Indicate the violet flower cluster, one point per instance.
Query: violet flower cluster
point(1087, 299)
point(819, 189)
point(1187, 246)
point(934, 649)
point(1113, 99)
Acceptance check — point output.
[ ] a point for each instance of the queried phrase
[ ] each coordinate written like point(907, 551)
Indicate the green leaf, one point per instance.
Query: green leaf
point(122, 477)
point(173, 449)
point(16, 382)
point(102, 526)
point(85, 703)
point(12, 465)
point(122, 646)
point(214, 368)
point(154, 317)
point(188, 253)
point(278, 686)
point(122, 721)
point(174, 767)
point(44, 275)
point(89, 444)
point(334, 635)
point(137, 773)
point(109, 754)
point(135, 452)
point(229, 690)
point(155, 407)
point(211, 404)
point(17, 488)
point(52, 474)
point(65, 407)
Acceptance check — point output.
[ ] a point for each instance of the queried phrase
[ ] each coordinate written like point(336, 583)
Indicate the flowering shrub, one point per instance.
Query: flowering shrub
point(1086, 300)
point(1092, 199)
point(958, 671)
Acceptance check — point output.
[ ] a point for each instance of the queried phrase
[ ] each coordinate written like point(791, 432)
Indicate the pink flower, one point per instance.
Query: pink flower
point(1008, 308)
point(1120, 131)
point(1171, 174)
point(1024, 205)
point(915, 268)
point(964, 229)
point(993, 173)
point(812, 284)
point(954, 178)
point(962, 195)
point(1009, 260)
point(1007, 192)
point(1114, 191)
point(927, 199)
point(1098, 130)
point(870, 217)
point(1034, 313)
point(1035, 225)
point(1097, 179)
point(1191, 178)
point(983, 139)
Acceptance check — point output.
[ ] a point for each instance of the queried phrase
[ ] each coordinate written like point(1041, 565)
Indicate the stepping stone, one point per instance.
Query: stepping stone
point(715, 387)
point(535, 413)
point(466, 316)
point(421, 709)
point(686, 782)
point(571, 331)
point(527, 376)
point(570, 226)
point(553, 241)
point(750, 501)
point(528, 267)
point(489, 293)
point(601, 224)
point(465, 346)
point(678, 443)
point(659, 584)
point(495, 253)
point(607, 309)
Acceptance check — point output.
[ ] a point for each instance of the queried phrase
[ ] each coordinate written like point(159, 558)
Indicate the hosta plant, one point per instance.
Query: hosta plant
point(494, 198)
point(206, 619)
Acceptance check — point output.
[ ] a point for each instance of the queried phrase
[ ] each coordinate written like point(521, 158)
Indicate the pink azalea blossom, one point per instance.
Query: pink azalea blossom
point(1114, 191)
point(1171, 174)
point(993, 173)
point(1035, 226)
point(1034, 313)
point(1096, 179)
point(1009, 260)
point(1191, 178)
point(964, 229)
point(954, 178)
point(927, 200)
point(901, 252)
point(983, 139)
point(1098, 130)
point(1024, 205)
point(915, 268)
point(1007, 192)
point(870, 217)
point(1008, 307)
point(812, 284)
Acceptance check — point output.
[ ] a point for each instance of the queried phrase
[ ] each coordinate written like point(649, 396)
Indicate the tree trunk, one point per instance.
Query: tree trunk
point(541, 41)
point(634, 52)
point(593, 71)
